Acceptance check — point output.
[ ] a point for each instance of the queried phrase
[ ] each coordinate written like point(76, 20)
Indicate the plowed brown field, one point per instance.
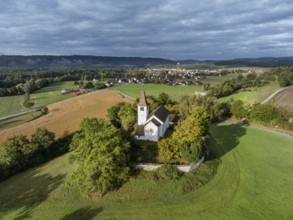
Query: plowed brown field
point(65, 116)
point(284, 99)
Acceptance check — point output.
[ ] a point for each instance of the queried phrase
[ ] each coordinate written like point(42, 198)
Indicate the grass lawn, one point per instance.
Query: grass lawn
point(255, 95)
point(51, 94)
point(11, 104)
point(253, 181)
point(174, 92)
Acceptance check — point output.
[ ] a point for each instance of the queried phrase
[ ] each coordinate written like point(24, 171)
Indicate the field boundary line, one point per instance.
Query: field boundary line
point(272, 95)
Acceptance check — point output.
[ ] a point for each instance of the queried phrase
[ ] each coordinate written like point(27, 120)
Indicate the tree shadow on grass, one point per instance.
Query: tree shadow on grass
point(224, 139)
point(25, 191)
point(86, 213)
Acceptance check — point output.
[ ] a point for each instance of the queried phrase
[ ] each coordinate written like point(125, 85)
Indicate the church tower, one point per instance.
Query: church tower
point(142, 109)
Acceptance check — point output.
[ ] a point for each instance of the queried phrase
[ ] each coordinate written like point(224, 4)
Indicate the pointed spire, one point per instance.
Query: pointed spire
point(142, 99)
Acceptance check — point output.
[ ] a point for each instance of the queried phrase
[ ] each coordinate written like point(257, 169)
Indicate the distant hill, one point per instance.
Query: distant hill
point(37, 61)
point(257, 62)
point(46, 61)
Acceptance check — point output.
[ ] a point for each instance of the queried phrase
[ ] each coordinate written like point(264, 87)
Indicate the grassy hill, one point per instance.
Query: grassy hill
point(255, 94)
point(174, 92)
point(253, 181)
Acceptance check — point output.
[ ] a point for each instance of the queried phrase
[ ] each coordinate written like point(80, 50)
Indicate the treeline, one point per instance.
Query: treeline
point(233, 85)
point(257, 62)
point(284, 75)
point(264, 114)
point(18, 82)
point(18, 153)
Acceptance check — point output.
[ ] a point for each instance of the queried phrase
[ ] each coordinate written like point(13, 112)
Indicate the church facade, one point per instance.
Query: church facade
point(150, 126)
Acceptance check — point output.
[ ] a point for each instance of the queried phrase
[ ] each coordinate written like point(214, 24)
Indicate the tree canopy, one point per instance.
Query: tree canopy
point(189, 138)
point(102, 157)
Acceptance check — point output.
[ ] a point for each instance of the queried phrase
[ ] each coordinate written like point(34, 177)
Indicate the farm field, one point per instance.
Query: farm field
point(284, 99)
point(44, 96)
point(253, 181)
point(66, 116)
point(174, 92)
point(255, 95)
point(218, 79)
point(51, 94)
point(11, 104)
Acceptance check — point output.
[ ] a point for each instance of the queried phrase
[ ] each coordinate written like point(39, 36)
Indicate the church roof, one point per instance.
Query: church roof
point(142, 99)
point(155, 122)
point(161, 113)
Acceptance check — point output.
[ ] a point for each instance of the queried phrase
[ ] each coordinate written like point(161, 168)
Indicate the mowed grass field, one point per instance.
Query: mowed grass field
point(284, 99)
point(174, 92)
point(253, 181)
point(218, 79)
point(44, 96)
point(52, 93)
point(66, 116)
point(11, 104)
point(255, 94)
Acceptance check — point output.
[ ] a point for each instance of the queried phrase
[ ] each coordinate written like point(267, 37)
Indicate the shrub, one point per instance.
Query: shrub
point(167, 172)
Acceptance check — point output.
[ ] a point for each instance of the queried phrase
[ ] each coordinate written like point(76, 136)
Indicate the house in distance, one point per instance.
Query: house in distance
point(150, 126)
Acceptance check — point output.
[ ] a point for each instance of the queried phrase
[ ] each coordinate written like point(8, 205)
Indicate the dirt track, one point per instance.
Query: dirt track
point(66, 116)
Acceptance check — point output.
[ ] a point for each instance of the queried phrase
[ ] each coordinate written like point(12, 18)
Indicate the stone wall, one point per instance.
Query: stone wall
point(182, 168)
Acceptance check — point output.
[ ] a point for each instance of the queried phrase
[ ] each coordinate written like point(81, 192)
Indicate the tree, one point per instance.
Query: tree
point(238, 110)
point(12, 155)
point(27, 102)
point(163, 98)
point(41, 141)
point(123, 115)
point(128, 118)
point(29, 86)
point(189, 138)
point(102, 157)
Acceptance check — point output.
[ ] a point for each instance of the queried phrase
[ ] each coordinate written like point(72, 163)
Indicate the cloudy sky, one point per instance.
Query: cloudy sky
point(175, 29)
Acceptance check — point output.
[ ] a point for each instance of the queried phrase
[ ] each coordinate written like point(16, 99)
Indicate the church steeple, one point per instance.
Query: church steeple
point(142, 109)
point(142, 99)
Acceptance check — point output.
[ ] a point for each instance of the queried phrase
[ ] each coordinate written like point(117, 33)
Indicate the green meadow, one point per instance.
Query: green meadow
point(254, 181)
point(11, 104)
point(254, 95)
point(44, 96)
point(174, 92)
point(51, 94)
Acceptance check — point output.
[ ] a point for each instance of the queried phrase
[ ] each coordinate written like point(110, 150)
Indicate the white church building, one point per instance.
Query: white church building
point(150, 126)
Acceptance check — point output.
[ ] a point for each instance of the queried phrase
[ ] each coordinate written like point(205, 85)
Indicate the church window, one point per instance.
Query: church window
point(141, 109)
